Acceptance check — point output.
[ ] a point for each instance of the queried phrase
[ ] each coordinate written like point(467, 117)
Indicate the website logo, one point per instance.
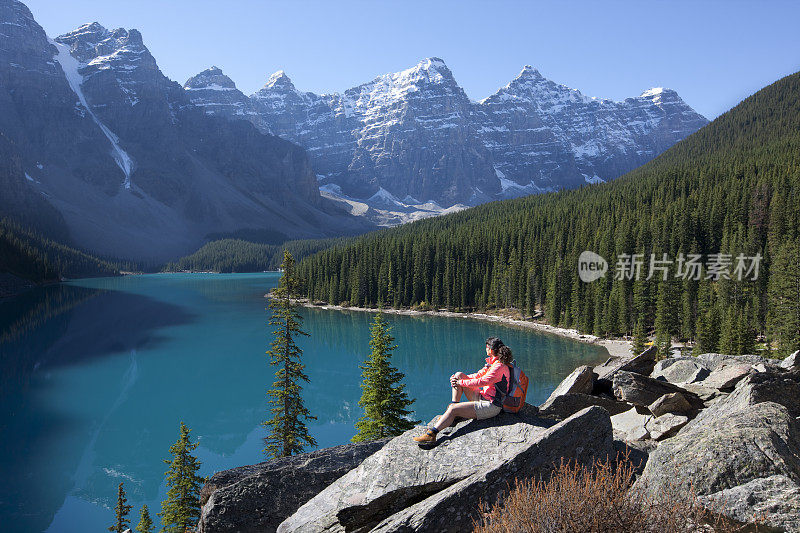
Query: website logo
point(591, 266)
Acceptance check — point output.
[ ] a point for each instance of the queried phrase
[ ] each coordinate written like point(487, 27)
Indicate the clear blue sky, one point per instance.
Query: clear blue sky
point(714, 53)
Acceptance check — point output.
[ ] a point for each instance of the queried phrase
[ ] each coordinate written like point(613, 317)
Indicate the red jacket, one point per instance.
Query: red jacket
point(492, 381)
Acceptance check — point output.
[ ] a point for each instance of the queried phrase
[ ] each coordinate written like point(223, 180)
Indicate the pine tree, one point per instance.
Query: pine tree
point(383, 396)
point(783, 322)
point(708, 320)
point(640, 338)
point(288, 434)
point(145, 522)
point(122, 510)
point(728, 339)
point(181, 510)
point(663, 344)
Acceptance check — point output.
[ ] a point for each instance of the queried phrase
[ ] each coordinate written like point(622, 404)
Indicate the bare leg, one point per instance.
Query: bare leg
point(463, 409)
point(457, 390)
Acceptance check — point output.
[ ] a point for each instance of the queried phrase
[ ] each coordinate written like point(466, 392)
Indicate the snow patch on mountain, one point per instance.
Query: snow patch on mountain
point(385, 197)
point(71, 68)
point(211, 87)
point(384, 209)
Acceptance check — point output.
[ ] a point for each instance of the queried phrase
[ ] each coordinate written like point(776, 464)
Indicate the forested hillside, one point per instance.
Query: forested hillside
point(731, 188)
point(27, 255)
point(238, 255)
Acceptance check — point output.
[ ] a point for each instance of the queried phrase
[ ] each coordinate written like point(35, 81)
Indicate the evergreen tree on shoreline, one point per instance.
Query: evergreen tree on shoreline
point(288, 434)
point(122, 510)
point(383, 396)
point(145, 522)
point(181, 510)
point(783, 322)
point(640, 339)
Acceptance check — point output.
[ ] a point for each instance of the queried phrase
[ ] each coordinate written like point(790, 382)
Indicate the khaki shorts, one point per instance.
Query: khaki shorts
point(485, 409)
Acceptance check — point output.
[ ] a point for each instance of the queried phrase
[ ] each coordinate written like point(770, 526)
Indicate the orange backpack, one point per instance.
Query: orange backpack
point(517, 390)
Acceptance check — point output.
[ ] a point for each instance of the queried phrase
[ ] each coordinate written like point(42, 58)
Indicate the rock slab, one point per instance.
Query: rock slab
point(775, 499)
point(679, 371)
point(643, 391)
point(726, 377)
point(257, 498)
point(582, 438)
point(631, 425)
point(566, 405)
point(673, 402)
point(792, 361)
point(404, 487)
point(715, 361)
point(641, 364)
point(580, 381)
point(665, 426)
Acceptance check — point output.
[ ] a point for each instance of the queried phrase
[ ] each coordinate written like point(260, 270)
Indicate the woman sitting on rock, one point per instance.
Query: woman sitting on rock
point(485, 390)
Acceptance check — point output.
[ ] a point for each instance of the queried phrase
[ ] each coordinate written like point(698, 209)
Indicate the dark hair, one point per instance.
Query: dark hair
point(504, 355)
point(494, 344)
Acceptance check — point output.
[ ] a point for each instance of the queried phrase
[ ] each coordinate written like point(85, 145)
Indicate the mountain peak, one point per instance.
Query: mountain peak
point(93, 31)
point(92, 41)
point(428, 70)
point(432, 62)
point(17, 20)
point(211, 78)
point(279, 80)
point(660, 94)
point(530, 73)
point(435, 67)
point(17, 9)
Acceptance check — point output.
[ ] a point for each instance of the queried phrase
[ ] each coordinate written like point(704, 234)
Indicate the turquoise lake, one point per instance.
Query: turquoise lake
point(96, 375)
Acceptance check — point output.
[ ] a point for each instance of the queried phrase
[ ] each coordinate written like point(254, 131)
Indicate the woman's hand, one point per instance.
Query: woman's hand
point(454, 380)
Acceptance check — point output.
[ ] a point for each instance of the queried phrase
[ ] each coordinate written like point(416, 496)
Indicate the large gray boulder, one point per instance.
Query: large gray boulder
point(582, 438)
point(775, 499)
point(580, 381)
point(679, 370)
point(666, 425)
point(704, 393)
point(257, 498)
point(643, 391)
point(407, 488)
point(782, 388)
point(642, 363)
point(715, 361)
point(741, 442)
point(566, 405)
point(792, 362)
point(631, 425)
point(673, 402)
point(726, 377)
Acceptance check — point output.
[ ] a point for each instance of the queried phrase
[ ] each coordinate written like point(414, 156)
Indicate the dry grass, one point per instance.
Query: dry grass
point(596, 500)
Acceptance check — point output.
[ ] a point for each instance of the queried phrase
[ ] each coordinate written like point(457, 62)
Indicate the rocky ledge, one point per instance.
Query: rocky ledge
point(726, 427)
point(258, 497)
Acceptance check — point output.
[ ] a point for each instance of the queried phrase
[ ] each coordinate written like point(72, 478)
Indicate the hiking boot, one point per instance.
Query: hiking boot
point(427, 437)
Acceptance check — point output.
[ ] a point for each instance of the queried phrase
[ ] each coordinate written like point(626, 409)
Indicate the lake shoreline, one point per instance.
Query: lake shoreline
point(615, 347)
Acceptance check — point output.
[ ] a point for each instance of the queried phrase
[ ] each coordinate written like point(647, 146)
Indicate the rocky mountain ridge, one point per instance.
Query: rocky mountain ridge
point(125, 163)
point(415, 138)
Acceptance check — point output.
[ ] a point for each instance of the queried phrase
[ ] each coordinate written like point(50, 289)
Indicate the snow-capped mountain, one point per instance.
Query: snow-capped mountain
point(217, 95)
point(416, 133)
point(125, 163)
point(549, 136)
